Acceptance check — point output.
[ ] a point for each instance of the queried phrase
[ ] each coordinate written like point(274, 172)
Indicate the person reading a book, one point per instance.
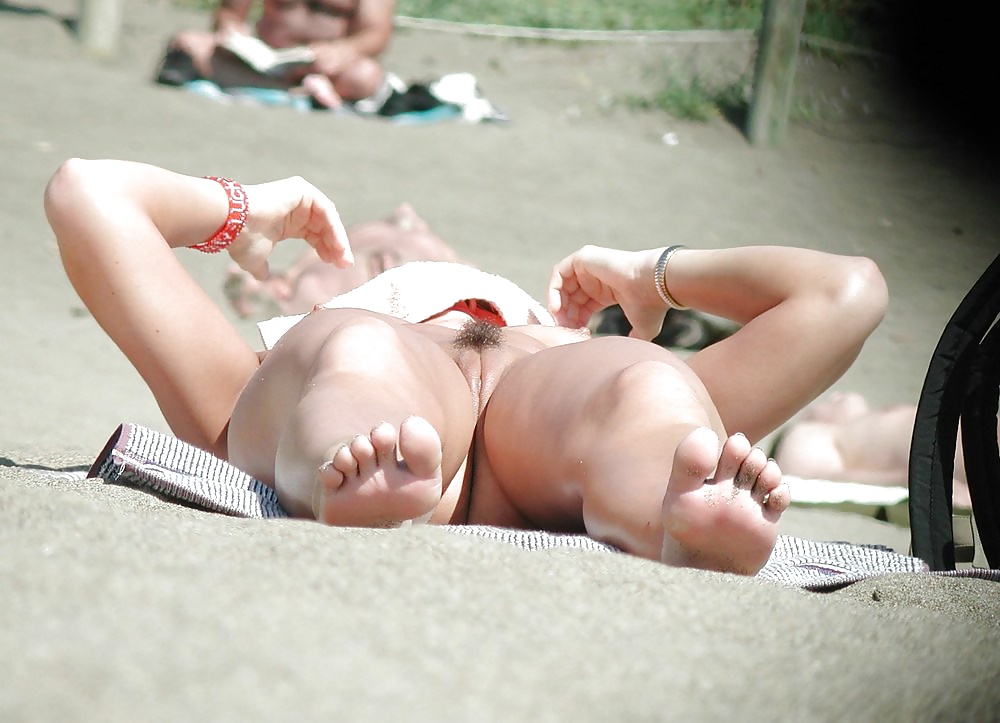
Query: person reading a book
point(326, 48)
point(362, 419)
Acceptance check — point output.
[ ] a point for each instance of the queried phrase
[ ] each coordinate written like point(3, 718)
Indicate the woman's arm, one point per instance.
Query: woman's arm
point(805, 316)
point(117, 224)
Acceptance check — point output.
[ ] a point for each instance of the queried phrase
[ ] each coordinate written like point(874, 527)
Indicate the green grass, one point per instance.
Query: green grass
point(846, 21)
point(684, 95)
point(689, 96)
point(681, 92)
point(589, 15)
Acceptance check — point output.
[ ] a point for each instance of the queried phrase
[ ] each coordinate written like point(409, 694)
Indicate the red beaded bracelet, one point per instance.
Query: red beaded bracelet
point(235, 221)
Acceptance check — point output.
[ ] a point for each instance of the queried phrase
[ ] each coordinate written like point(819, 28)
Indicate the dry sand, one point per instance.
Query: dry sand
point(117, 606)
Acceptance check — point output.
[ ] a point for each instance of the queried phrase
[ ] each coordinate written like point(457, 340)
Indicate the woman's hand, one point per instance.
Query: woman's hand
point(594, 278)
point(290, 208)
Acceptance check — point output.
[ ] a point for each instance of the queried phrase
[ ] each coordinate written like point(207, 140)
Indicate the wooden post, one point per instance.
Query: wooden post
point(100, 27)
point(777, 51)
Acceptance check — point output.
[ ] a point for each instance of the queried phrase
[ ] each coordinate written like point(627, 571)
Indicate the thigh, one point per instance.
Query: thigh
point(339, 373)
point(581, 437)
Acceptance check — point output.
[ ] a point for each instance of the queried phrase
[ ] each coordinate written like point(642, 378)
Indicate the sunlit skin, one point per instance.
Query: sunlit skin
point(842, 438)
point(361, 419)
point(345, 36)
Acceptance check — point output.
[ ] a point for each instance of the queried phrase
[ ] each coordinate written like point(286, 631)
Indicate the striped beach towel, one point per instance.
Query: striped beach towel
point(179, 472)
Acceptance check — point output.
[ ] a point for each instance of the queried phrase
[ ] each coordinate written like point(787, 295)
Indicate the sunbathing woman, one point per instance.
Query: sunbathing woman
point(358, 418)
point(843, 438)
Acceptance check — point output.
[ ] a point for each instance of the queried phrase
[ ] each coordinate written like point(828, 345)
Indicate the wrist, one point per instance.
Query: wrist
point(661, 280)
point(236, 218)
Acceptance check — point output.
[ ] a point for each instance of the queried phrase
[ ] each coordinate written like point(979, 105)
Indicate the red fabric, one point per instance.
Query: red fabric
point(479, 310)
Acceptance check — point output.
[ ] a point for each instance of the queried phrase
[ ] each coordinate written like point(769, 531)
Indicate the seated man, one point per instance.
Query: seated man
point(344, 36)
point(359, 418)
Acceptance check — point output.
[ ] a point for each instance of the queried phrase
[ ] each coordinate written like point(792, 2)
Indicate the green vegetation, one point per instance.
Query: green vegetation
point(846, 21)
point(688, 96)
point(589, 15)
point(679, 91)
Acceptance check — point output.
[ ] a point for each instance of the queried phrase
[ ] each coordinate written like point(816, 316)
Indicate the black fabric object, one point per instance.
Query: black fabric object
point(962, 385)
point(682, 328)
point(176, 69)
point(416, 98)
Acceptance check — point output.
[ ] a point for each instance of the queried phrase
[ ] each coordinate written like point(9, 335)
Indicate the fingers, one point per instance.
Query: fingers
point(565, 298)
point(330, 236)
point(555, 292)
point(575, 293)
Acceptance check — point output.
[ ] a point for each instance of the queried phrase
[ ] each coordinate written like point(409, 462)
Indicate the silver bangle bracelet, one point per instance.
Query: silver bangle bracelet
point(660, 277)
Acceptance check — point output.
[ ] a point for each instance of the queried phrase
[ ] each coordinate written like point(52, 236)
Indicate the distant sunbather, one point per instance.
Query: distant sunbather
point(843, 439)
point(401, 237)
point(358, 418)
point(344, 39)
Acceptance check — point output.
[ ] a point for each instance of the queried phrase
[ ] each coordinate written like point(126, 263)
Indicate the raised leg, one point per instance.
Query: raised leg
point(357, 420)
point(382, 478)
point(721, 509)
point(618, 436)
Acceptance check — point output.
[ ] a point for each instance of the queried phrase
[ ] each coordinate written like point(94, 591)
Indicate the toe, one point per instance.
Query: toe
point(694, 460)
point(383, 440)
point(778, 499)
point(750, 470)
point(344, 462)
point(734, 452)
point(330, 478)
point(365, 453)
point(420, 446)
point(770, 490)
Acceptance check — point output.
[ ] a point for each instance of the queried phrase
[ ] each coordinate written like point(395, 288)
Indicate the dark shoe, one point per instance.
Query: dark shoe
point(177, 69)
point(682, 329)
point(414, 99)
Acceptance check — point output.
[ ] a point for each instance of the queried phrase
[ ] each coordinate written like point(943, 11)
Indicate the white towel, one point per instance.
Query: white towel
point(421, 289)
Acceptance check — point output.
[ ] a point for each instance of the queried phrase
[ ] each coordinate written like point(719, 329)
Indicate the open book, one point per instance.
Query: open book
point(263, 58)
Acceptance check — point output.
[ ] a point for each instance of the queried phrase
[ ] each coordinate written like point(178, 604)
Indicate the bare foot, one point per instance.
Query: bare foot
point(406, 218)
point(383, 479)
point(252, 298)
point(721, 510)
point(320, 89)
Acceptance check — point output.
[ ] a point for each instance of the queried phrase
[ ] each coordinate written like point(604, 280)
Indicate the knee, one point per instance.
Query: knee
point(198, 45)
point(650, 390)
point(360, 80)
point(361, 344)
point(358, 329)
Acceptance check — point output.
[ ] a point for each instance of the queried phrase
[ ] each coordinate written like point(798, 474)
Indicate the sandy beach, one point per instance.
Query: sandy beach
point(120, 606)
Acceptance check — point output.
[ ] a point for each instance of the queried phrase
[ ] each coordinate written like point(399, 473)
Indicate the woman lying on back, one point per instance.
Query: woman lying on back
point(359, 418)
